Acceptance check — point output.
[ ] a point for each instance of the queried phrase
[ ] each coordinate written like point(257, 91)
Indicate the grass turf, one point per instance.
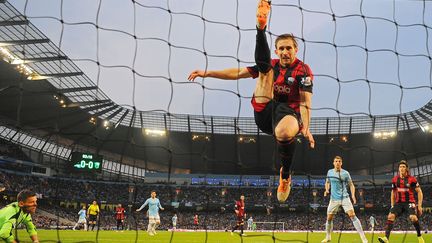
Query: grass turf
point(69, 236)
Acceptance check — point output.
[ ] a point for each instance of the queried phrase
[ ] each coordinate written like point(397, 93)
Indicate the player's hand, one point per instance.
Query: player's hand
point(354, 200)
point(419, 211)
point(326, 192)
point(162, 209)
point(196, 73)
point(308, 135)
point(137, 210)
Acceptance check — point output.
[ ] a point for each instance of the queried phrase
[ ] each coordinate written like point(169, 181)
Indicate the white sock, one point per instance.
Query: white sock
point(85, 227)
point(358, 227)
point(155, 226)
point(150, 227)
point(75, 226)
point(329, 229)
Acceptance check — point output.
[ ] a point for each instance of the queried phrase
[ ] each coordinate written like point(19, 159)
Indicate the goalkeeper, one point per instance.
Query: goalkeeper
point(16, 213)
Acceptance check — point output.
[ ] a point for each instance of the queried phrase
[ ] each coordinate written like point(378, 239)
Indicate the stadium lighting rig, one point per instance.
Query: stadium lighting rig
point(106, 124)
point(426, 129)
point(384, 135)
point(61, 100)
point(7, 56)
point(200, 137)
point(341, 139)
point(244, 139)
point(155, 132)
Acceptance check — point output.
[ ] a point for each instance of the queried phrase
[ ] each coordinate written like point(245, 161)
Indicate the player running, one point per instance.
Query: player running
point(240, 213)
point(82, 218)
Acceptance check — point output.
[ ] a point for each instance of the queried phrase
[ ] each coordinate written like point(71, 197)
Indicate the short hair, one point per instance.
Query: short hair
point(284, 37)
point(153, 191)
point(403, 162)
point(24, 194)
point(338, 157)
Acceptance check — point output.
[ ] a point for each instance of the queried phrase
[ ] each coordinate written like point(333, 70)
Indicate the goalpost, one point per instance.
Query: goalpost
point(278, 226)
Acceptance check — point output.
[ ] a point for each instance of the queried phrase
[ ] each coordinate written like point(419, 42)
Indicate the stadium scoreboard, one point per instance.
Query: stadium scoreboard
point(86, 162)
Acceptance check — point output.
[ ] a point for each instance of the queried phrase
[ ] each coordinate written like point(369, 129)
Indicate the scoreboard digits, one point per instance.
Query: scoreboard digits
point(86, 162)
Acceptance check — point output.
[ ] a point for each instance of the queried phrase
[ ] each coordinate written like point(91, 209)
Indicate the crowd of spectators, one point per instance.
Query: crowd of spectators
point(305, 209)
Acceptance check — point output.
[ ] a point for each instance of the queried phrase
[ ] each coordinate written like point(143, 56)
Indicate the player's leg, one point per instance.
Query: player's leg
point(241, 226)
point(157, 223)
point(93, 224)
point(285, 131)
point(263, 11)
point(331, 211)
point(75, 225)
point(394, 211)
point(236, 226)
point(349, 210)
point(357, 225)
point(85, 225)
point(152, 221)
point(264, 87)
point(328, 227)
point(414, 220)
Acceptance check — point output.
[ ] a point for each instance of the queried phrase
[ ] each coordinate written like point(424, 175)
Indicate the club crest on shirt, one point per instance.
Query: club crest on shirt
point(306, 81)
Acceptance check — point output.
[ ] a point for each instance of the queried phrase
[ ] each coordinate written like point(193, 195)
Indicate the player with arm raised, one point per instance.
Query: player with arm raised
point(18, 213)
point(337, 180)
point(403, 201)
point(153, 212)
point(283, 94)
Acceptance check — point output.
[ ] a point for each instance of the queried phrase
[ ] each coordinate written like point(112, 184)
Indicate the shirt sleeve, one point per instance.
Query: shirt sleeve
point(414, 183)
point(28, 222)
point(393, 185)
point(306, 80)
point(349, 180)
point(6, 232)
point(145, 204)
point(253, 70)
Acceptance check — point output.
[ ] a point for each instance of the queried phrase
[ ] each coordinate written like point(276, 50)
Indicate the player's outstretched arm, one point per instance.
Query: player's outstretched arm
point(305, 112)
point(143, 206)
point(227, 74)
point(352, 188)
point(327, 187)
point(420, 200)
point(392, 198)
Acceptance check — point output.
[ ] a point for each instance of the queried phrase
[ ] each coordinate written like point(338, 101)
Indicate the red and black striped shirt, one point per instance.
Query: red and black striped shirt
point(288, 82)
point(403, 188)
point(240, 206)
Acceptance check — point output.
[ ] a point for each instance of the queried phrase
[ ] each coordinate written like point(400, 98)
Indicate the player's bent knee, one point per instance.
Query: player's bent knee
point(391, 217)
point(413, 218)
point(285, 131)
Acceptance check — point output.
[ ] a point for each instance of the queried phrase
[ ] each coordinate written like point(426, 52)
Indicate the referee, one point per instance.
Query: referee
point(92, 214)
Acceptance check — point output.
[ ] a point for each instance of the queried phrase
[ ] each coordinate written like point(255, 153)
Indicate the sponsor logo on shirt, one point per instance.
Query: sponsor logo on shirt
point(281, 89)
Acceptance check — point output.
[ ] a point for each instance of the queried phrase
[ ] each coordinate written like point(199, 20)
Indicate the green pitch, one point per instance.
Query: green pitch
point(69, 236)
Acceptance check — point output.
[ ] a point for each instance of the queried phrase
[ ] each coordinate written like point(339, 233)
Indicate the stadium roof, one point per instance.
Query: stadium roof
point(44, 93)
